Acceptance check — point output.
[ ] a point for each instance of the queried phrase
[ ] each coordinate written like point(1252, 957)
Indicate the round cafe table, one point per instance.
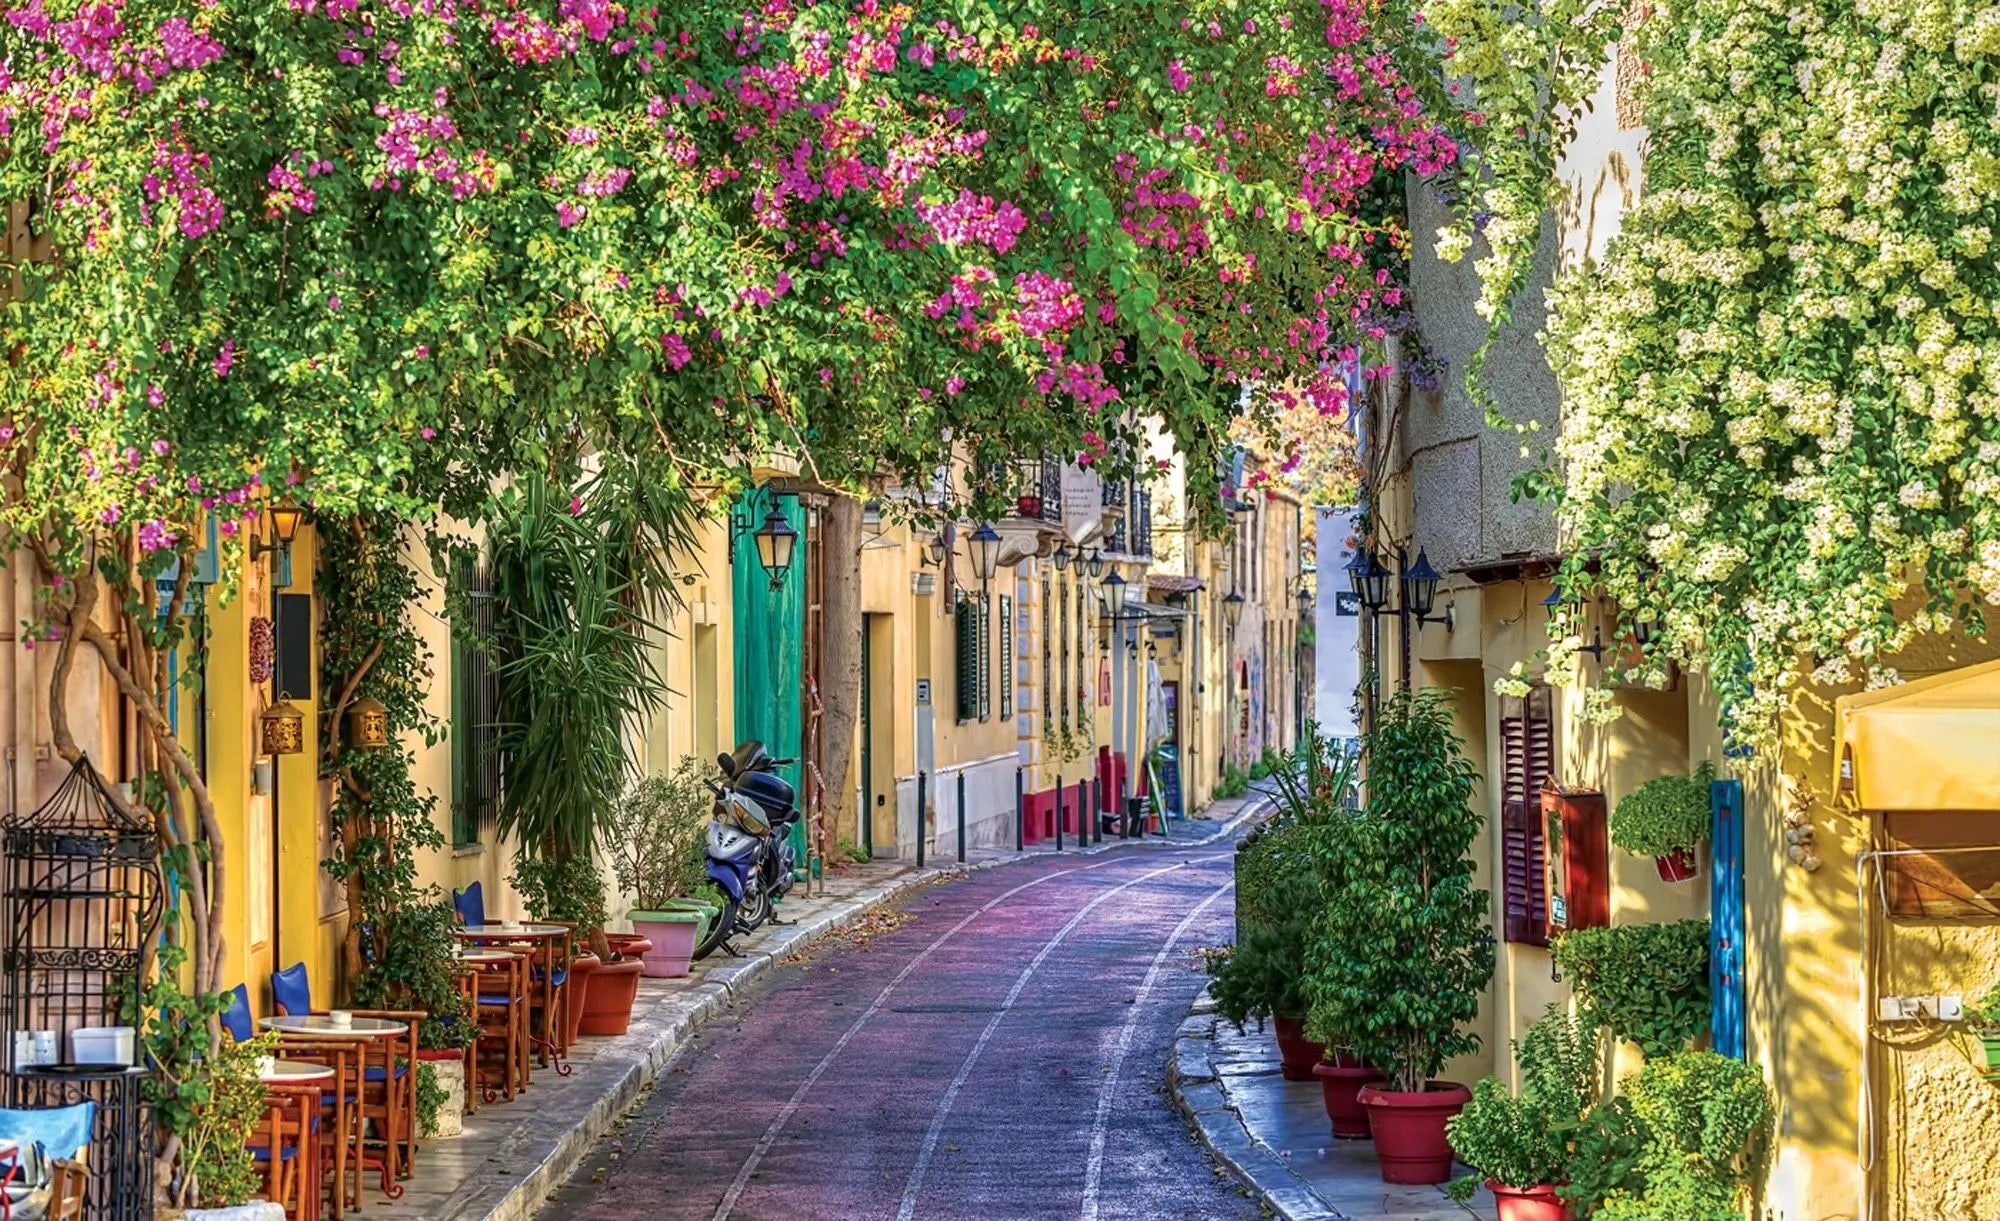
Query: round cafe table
point(295, 1072)
point(321, 1026)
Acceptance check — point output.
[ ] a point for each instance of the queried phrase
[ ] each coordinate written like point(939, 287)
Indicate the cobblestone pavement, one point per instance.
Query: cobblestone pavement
point(996, 1048)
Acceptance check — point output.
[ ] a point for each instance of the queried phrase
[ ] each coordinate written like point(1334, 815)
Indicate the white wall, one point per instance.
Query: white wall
point(1337, 637)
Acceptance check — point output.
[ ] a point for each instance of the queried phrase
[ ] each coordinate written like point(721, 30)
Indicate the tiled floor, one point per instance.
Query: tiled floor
point(1289, 1151)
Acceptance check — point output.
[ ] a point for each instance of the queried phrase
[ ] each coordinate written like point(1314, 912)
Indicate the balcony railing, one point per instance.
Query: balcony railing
point(1114, 494)
point(1139, 522)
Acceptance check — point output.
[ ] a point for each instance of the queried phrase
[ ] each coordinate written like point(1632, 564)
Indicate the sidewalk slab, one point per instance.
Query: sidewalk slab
point(1273, 1133)
point(513, 1156)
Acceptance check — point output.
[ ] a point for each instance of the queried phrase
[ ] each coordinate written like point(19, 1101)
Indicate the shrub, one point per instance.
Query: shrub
point(1261, 975)
point(1643, 982)
point(1526, 1139)
point(225, 1111)
point(1402, 947)
point(414, 969)
point(1665, 815)
point(657, 837)
point(1704, 1124)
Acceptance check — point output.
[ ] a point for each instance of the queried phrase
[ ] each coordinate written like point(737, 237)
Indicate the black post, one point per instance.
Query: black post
point(1097, 808)
point(961, 816)
point(1020, 811)
point(920, 819)
point(1083, 833)
point(1059, 813)
point(1124, 810)
point(1403, 609)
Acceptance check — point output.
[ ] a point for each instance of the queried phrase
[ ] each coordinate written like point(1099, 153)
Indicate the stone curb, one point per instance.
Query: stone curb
point(1200, 1095)
point(549, 1143)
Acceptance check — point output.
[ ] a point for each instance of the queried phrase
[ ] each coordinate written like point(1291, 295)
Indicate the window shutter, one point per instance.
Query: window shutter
point(983, 657)
point(1006, 666)
point(967, 684)
point(1527, 747)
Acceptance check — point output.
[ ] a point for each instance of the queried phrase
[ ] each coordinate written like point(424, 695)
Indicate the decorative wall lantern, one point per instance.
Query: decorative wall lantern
point(281, 728)
point(368, 724)
point(284, 517)
point(1094, 563)
point(1061, 557)
point(775, 540)
point(1232, 609)
point(985, 543)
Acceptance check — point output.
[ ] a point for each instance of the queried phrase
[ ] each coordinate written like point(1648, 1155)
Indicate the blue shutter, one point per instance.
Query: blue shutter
point(1725, 930)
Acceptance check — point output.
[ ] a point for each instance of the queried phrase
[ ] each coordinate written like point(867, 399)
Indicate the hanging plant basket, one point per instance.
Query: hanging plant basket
point(1989, 1042)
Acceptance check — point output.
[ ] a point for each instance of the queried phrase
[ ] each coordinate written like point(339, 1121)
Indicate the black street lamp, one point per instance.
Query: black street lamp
point(1232, 610)
point(1417, 584)
point(985, 547)
point(1595, 648)
point(1094, 563)
point(1061, 556)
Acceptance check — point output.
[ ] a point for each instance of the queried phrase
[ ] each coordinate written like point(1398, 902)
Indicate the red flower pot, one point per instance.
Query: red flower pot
point(1028, 506)
point(1677, 867)
point(608, 997)
point(1538, 1203)
point(1297, 1052)
point(629, 945)
point(580, 969)
point(1409, 1130)
point(1340, 1082)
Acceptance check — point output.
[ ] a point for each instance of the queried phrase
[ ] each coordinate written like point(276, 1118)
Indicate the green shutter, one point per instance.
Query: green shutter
point(965, 657)
point(1006, 666)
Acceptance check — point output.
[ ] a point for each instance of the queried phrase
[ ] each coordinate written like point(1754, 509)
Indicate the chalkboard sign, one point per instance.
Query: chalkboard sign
point(1168, 784)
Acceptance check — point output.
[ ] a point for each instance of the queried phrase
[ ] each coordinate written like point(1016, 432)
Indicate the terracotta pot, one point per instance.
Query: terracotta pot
point(1538, 1203)
point(629, 945)
point(608, 997)
point(1295, 1050)
point(1409, 1130)
point(1340, 1082)
point(580, 970)
point(673, 936)
point(1676, 867)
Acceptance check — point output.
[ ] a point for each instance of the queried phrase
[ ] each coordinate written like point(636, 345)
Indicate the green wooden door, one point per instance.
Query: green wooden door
point(770, 642)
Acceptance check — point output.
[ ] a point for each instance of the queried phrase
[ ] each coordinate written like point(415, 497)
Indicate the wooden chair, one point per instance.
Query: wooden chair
point(551, 996)
point(466, 976)
point(70, 1180)
point(501, 1002)
point(340, 1111)
point(286, 1151)
point(389, 1093)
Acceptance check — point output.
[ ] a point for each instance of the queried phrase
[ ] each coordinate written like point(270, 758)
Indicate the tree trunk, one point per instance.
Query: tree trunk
point(840, 660)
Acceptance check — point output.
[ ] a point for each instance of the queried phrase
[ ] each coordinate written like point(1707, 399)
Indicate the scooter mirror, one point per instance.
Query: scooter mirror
point(727, 762)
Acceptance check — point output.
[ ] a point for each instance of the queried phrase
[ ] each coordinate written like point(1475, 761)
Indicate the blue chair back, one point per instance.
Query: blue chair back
point(470, 903)
point(236, 1019)
point(60, 1131)
point(292, 990)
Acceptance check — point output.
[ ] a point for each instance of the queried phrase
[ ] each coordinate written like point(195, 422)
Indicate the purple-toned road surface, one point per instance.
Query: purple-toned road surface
point(1000, 1054)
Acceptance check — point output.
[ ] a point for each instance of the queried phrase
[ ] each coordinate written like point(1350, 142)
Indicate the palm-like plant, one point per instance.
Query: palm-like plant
point(576, 579)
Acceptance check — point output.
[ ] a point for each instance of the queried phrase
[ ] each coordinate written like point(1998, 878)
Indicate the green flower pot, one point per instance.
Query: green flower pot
point(1990, 1040)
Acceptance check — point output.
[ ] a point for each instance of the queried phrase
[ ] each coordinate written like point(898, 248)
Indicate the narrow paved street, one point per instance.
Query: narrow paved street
point(998, 1053)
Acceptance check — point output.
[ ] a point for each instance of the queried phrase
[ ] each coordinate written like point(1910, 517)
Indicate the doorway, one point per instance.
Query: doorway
point(878, 742)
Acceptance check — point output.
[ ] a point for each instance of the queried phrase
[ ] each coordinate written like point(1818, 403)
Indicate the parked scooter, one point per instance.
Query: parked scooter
point(749, 842)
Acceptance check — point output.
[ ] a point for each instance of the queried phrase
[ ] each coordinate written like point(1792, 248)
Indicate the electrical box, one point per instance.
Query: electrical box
point(1577, 853)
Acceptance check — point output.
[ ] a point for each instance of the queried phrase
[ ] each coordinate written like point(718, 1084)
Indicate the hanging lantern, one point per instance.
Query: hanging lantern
point(368, 724)
point(281, 728)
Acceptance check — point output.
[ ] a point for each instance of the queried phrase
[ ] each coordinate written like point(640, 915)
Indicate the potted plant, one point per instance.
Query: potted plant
point(1667, 818)
point(1028, 505)
point(1402, 947)
point(1647, 983)
point(1982, 1017)
point(1521, 1144)
point(413, 968)
point(576, 573)
point(1687, 1138)
point(660, 857)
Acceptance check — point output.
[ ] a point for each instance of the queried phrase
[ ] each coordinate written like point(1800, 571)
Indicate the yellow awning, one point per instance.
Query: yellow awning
point(1930, 744)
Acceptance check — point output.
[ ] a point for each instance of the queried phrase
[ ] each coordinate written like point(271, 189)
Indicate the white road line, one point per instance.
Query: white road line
point(1093, 1169)
point(922, 1167)
point(791, 1107)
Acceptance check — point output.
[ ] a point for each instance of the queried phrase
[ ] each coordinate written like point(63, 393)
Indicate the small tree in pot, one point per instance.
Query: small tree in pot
point(1403, 946)
point(1666, 818)
point(1522, 1144)
point(659, 852)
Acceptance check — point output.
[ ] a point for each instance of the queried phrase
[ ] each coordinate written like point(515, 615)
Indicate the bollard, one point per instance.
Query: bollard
point(1059, 813)
point(1097, 809)
point(961, 816)
point(920, 819)
point(1082, 832)
point(1020, 811)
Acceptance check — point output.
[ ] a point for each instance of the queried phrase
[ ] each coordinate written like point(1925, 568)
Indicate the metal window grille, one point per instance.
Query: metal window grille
point(475, 756)
point(966, 659)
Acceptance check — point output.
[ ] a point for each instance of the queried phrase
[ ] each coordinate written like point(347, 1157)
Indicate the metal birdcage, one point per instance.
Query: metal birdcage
point(81, 910)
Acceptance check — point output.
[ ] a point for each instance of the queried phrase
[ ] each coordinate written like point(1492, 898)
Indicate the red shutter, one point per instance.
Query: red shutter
point(1527, 748)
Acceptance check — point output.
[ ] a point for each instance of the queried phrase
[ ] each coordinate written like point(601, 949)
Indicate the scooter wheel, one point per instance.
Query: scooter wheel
point(723, 927)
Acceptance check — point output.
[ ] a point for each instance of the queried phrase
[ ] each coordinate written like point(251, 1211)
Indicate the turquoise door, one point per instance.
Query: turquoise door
point(770, 643)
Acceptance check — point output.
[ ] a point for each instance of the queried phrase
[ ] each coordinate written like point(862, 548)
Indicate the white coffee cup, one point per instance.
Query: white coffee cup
point(512, 926)
point(267, 1066)
point(341, 1019)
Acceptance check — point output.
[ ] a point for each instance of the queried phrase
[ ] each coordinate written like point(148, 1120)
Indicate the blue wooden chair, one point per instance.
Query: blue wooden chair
point(470, 904)
point(237, 1019)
